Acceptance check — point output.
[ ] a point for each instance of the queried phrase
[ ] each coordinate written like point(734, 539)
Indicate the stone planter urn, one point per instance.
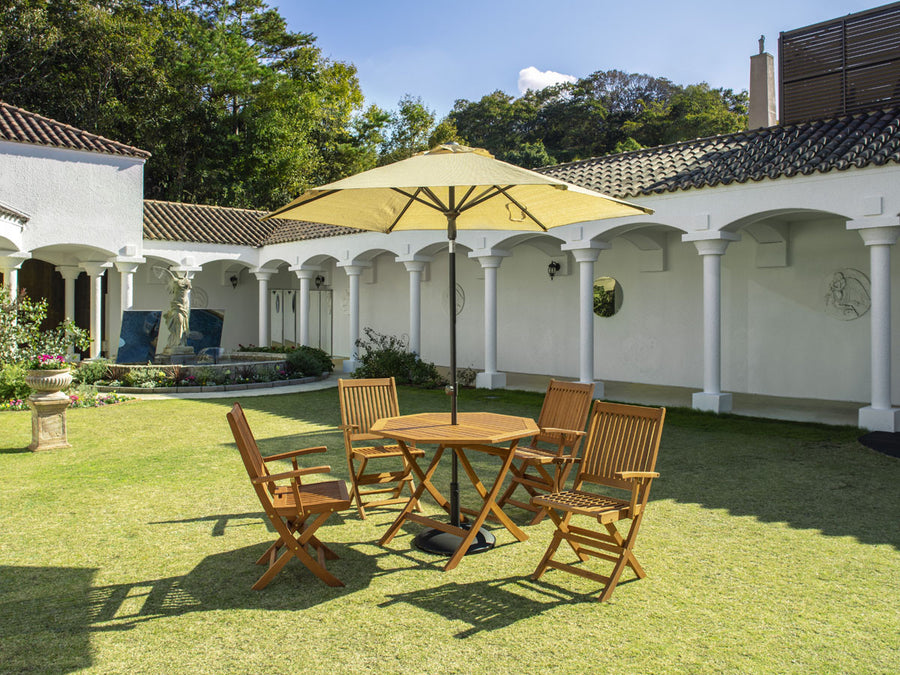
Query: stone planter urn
point(48, 406)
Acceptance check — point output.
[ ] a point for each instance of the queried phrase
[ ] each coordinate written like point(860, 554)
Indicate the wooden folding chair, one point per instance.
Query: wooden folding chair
point(363, 402)
point(620, 452)
point(290, 507)
point(551, 454)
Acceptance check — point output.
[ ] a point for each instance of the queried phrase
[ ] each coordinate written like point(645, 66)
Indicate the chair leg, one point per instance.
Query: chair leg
point(354, 479)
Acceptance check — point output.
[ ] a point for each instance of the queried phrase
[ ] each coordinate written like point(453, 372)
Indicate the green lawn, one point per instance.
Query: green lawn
point(770, 547)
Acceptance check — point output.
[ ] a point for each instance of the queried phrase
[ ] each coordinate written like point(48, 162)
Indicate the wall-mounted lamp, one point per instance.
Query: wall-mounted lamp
point(234, 280)
point(319, 280)
point(553, 269)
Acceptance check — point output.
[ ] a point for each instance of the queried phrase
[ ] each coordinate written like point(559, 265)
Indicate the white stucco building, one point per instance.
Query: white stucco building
point(769, 265)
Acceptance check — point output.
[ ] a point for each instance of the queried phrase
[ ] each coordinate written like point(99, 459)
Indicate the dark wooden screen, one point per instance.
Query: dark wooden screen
point(838, 67)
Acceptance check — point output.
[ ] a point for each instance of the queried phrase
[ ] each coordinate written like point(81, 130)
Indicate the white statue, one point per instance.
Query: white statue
point(178, 315)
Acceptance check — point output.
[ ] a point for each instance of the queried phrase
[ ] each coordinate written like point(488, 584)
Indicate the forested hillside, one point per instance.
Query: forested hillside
point(239, 110)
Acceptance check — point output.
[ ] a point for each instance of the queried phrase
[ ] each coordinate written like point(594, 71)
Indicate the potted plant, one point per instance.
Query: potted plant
point(48, 373)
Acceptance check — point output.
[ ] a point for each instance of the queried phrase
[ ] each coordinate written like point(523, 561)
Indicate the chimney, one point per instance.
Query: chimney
point(762, 88)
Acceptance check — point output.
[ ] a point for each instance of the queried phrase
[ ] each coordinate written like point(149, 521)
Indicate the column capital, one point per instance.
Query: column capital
point(127, 267)
point(262, 274)
point(586, 251)
point(68, 272)
point(413, 265)
point(480, 253)
point(95, 269)
point(488, 261)
point(353, 270)
point(875, 231)
point(12, 260)
point(711, 243)
point(306, 272)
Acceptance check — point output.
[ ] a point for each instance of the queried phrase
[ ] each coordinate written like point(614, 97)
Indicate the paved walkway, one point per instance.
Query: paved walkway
point(773, 407)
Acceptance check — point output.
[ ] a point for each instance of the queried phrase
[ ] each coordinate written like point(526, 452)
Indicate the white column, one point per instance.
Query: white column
point(305, 276)
point(127, 270)
point(353, 274)
point(880, 415)
point(490, 378)
point(69, 273)
point(711, 247)
point(415, 269)
point(586, 256)
point(262, 278)
point(9, 266)
point(96, 270)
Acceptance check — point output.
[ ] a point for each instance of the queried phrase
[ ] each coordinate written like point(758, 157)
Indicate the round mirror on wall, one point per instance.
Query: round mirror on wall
point(607, 296)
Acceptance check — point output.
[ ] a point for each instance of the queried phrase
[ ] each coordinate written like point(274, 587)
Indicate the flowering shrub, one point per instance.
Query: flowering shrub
point(82, 399)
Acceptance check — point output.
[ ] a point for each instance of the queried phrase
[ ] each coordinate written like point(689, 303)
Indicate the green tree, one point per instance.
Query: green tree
point(695, 111)
point(235, 108)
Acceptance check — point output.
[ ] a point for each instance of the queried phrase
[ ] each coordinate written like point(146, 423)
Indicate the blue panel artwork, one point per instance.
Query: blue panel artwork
point(137, 339)
point(205, 328)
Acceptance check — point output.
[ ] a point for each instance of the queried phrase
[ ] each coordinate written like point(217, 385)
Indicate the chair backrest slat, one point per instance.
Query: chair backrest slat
point(253, 461)
point(364, 401)
point(566, 406)
point(620, 438)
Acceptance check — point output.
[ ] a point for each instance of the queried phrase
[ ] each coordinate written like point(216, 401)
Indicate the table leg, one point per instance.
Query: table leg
point(489, 503)
point(493, 507)
point(424, 484)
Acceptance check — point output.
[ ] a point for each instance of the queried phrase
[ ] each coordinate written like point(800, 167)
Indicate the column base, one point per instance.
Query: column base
point(883, 419)
point(490, 381)
point(599, 389)
point(717, 403)
point(350, 365)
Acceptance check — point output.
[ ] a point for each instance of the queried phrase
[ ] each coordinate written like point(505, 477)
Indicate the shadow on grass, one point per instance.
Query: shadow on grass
point(486, 605)
point(47, 614)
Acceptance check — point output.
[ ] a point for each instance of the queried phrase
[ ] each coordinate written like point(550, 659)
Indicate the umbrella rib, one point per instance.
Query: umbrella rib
point(490, 193)
point(412, 197)
point(521, 206)
point(438, 205)
point(288, 207)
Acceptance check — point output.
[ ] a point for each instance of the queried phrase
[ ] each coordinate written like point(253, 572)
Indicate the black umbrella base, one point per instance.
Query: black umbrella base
point(444, 543)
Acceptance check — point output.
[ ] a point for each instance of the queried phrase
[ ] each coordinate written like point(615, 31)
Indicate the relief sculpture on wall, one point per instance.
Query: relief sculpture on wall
point(847, 294)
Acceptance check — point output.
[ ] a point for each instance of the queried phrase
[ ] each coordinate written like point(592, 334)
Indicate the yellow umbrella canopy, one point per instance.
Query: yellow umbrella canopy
point(451, 187)
point(483, 193)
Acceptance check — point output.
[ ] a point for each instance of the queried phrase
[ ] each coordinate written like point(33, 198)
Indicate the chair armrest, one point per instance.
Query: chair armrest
point(291, 474)
point(348, 427)
point(295, 453)
point(628, 475)
point(564, 432)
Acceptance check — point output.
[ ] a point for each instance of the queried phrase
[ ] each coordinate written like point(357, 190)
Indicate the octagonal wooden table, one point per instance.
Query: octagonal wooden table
point(491, 433)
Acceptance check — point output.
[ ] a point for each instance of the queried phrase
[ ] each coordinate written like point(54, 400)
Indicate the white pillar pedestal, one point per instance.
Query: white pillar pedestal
point(262, 279)
point(711, 246)
point(879, 234)
point(586, 256)
point(353, 273)
point(491, 378)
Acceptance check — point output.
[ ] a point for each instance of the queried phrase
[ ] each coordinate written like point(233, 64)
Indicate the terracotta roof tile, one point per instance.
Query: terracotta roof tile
point(21, 126)
point(798, 149)
point(174, 221)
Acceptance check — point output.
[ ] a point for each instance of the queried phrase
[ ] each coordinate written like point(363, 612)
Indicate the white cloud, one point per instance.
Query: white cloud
point(532, 78)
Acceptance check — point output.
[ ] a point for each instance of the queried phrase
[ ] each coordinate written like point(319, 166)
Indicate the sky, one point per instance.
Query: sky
point(460, 49)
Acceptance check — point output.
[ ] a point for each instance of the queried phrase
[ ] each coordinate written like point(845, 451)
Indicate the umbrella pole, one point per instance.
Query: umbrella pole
point(454, 479)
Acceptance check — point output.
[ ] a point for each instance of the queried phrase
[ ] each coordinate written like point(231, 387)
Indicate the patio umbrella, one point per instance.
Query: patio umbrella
point(453, 187)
